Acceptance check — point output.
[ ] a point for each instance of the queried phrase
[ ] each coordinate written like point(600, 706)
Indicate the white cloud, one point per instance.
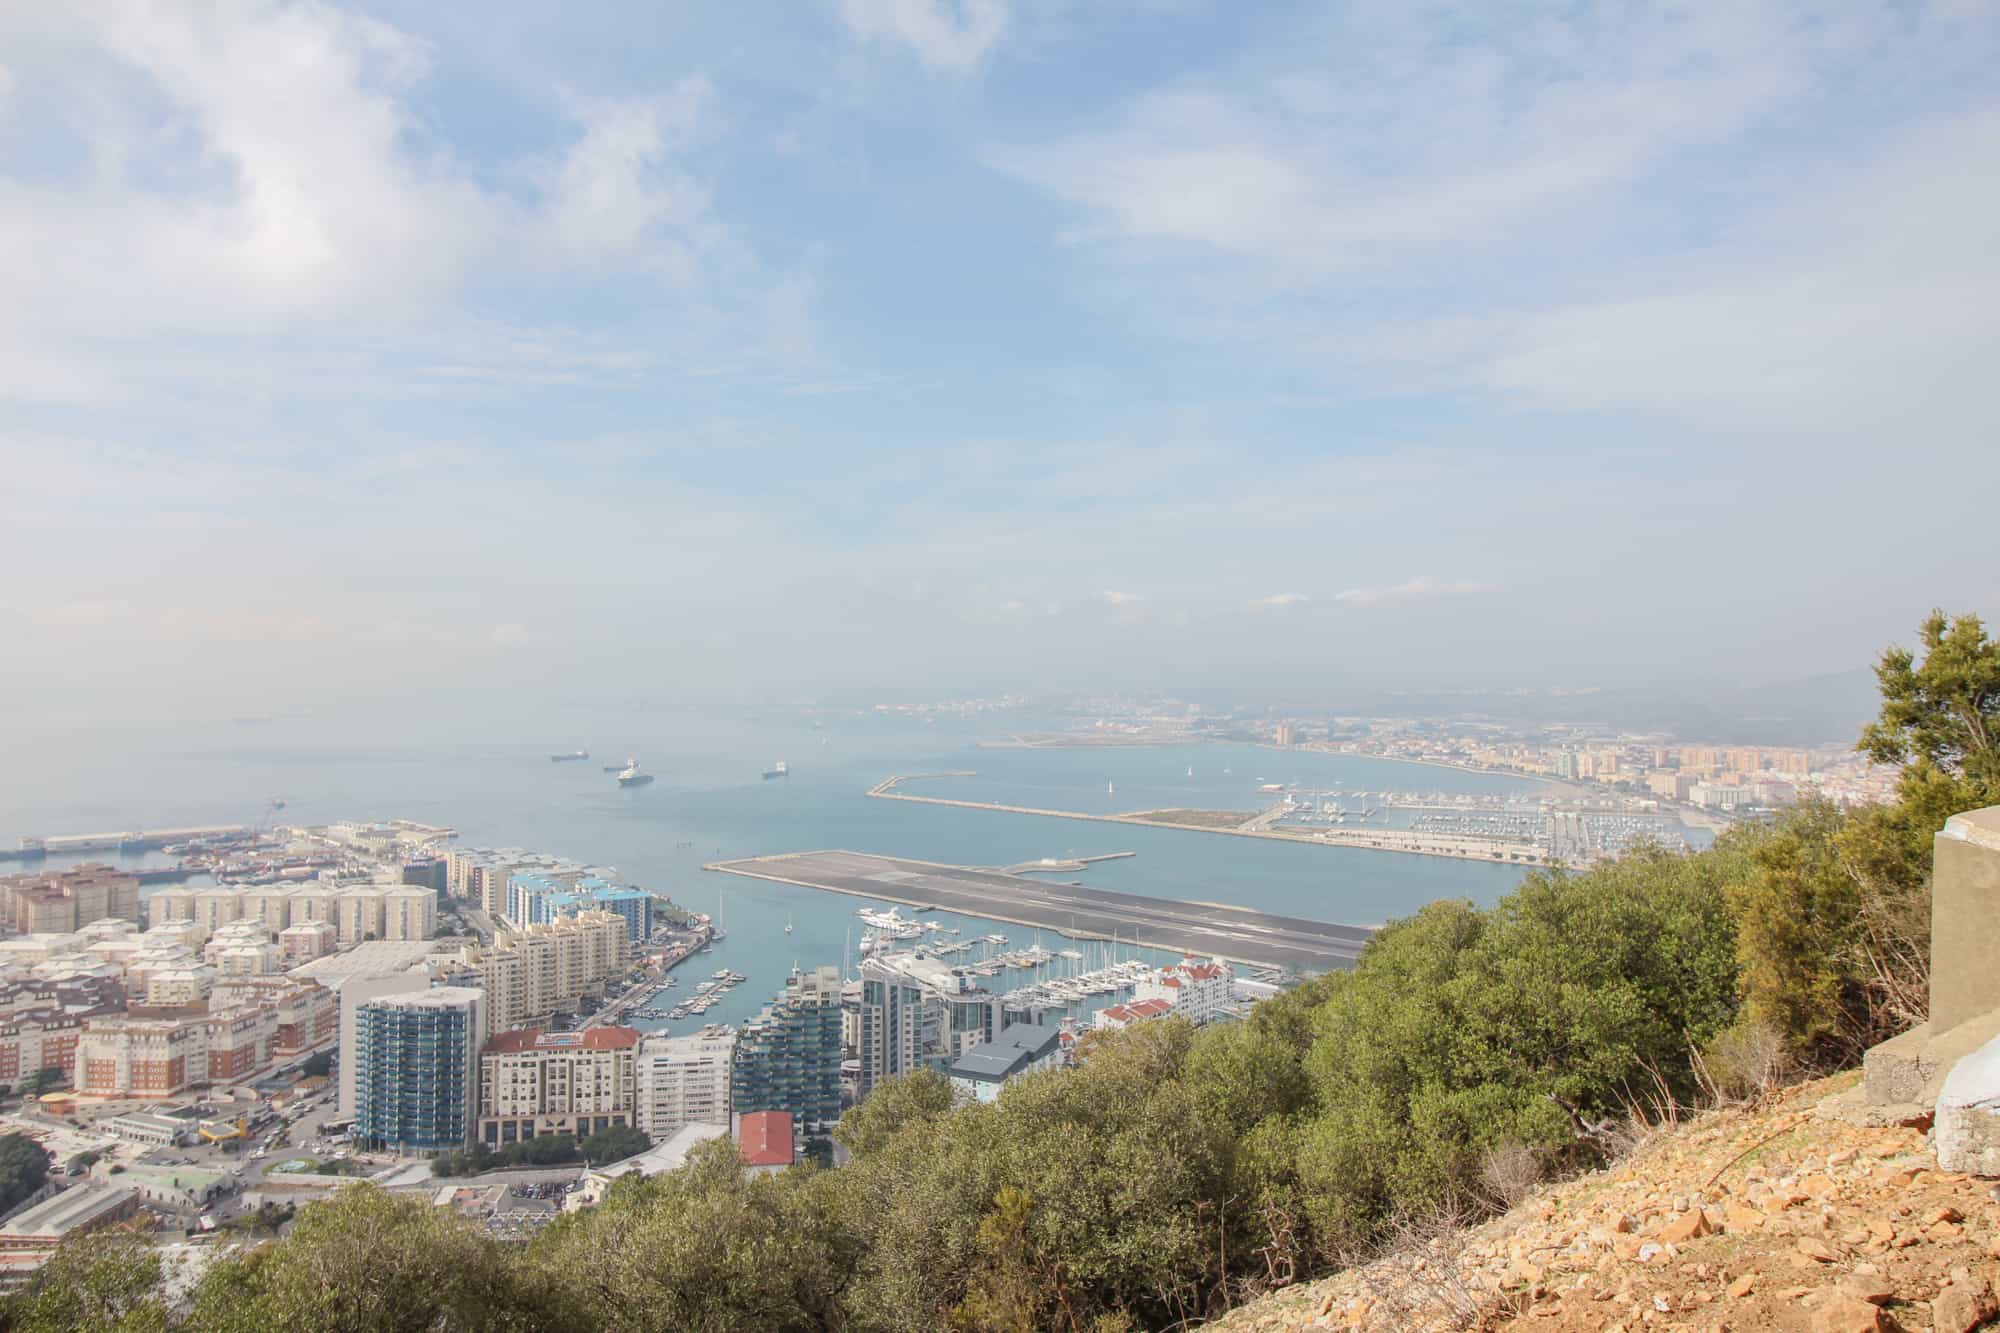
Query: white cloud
point(1278, 601)
point(264, 169)
point(1423, 588)
point(947, 36)
point(1399, 134)
point(615, 200)
point(1121, 598)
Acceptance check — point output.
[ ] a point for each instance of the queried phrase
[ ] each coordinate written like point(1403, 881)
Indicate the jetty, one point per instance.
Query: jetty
point(1240, 934)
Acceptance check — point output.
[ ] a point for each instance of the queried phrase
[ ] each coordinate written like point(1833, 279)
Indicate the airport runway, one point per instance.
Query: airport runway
point(1210, 929)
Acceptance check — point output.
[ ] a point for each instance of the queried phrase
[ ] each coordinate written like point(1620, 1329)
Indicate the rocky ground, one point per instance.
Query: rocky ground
point(1762, 1218)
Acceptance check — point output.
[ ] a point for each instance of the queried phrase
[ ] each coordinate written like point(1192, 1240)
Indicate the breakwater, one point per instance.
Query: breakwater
point(1406, 841)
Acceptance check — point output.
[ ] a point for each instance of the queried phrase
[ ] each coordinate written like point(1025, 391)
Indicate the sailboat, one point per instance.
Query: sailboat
point(1110, 789)
point(1190, 770)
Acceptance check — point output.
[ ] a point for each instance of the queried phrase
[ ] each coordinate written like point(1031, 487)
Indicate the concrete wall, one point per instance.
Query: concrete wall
point(1965, 919)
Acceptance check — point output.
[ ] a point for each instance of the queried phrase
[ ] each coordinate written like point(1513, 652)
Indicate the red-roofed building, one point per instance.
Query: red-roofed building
point(1197, 991)
point(533, 1082)
point(765, 1139)
point(1115, 1016)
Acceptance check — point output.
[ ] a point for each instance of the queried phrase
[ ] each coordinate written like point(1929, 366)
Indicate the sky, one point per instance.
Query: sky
point(926, 347)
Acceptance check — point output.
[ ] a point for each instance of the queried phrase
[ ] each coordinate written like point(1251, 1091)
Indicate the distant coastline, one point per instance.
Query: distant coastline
point(1402, 841)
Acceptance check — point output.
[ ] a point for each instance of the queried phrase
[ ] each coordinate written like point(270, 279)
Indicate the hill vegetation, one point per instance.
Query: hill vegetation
point(1175, 1173)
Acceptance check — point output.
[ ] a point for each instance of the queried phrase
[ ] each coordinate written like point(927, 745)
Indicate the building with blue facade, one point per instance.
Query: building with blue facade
point(788, 1057)
point(635, 905)
point(416, 1069)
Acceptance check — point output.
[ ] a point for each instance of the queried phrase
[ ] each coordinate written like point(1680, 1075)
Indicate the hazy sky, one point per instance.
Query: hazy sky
point(947, 345)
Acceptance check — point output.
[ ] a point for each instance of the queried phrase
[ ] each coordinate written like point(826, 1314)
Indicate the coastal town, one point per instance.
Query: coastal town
point(486, 1028)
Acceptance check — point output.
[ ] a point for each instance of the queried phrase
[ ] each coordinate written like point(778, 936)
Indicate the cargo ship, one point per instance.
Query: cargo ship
point(777, 770)
point(565, 758)
point(630, 776)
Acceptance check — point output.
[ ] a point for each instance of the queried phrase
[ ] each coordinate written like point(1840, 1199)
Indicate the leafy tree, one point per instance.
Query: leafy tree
point(43, 1080)
point(705, 1247)
point(369, 1261)
point(614, 1144)
point(897, 1103)
point(24, 1168)
point(105, 1281)
point(1009, 1290)
point(1945, 713)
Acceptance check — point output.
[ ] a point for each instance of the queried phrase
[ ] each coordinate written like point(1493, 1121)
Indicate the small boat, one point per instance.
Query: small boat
point(788, 925)
point(778, 770)
point(1190, 771)
point(630, 775)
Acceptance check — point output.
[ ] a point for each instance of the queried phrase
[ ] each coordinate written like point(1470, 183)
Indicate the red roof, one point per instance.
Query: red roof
point(765, 1138)
point(589, 1039)
point(1148, 1008)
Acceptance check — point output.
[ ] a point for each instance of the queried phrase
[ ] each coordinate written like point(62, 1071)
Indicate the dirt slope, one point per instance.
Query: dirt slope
point(1752, 1219)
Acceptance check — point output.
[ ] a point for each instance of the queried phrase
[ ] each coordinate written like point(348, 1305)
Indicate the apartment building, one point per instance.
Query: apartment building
point(683, 1081)
point(533, 1082)
point(416, 1061)
point(58, 901)
point(532, 973)
point(263, 1020)
point(915, 1012)
point(1197, 991)
point(357, 911)
point(788, 1057)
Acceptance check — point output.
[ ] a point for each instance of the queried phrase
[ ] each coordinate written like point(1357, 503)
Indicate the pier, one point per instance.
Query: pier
point(1065, 863)
point(1239, 934)
point(32, 849)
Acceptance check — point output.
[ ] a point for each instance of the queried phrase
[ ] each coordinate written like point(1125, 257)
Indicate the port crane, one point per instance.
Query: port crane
point(263, 824)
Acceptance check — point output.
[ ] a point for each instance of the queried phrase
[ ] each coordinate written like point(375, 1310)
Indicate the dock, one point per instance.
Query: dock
point(138, 840)
point(1239, 934)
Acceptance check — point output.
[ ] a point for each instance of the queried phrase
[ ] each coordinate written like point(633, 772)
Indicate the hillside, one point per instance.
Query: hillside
point(1771, 1218)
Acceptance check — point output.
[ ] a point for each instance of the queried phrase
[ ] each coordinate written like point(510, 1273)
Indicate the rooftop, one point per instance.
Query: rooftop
point(436, 997)
point(590, 1039)
point(76, 1206)
point(1019, 1046)
point(765, 1138)
point(669, 1155)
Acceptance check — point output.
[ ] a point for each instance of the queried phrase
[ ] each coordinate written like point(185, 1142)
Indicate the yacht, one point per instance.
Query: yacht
point(631, 776)
point(890, 924)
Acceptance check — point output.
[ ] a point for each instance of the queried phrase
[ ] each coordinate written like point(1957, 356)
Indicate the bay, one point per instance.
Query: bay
point(496, 785)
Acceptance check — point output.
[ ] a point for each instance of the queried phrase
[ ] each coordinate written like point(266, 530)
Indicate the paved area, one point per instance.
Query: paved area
point(1236, 933)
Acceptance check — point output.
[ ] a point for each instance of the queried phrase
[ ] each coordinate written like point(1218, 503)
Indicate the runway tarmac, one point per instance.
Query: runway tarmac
point(1210, 929)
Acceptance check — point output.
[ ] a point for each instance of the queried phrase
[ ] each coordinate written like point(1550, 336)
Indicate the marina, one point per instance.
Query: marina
point(1239, 934)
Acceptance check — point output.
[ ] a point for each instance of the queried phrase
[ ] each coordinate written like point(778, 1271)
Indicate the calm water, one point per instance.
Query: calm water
point(709, 801)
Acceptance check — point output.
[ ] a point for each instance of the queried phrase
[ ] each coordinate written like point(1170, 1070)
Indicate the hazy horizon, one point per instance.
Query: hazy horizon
point(911, 349)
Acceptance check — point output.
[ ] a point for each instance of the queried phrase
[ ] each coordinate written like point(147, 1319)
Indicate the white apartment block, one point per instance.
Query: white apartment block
point(684, 1081)
point(1196, 991)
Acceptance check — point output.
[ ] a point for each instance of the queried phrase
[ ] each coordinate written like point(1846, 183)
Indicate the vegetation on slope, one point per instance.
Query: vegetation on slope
point(1176, 1172)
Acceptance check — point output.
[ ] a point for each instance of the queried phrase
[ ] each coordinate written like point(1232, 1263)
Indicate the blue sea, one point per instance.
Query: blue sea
point(709, 801)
